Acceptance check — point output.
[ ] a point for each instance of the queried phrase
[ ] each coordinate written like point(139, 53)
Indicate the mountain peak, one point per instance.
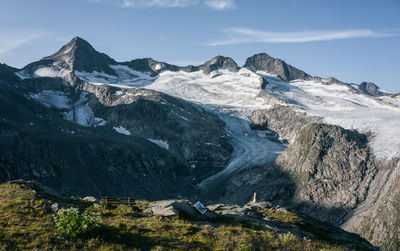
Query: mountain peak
point(219, 62)
point(370, 89)
point(276, 66)
point(80, 55)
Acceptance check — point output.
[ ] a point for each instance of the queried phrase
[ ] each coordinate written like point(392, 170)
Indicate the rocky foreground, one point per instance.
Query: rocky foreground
point(27, 211)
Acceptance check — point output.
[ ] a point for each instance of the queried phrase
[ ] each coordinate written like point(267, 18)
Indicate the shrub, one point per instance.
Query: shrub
point(74, 224)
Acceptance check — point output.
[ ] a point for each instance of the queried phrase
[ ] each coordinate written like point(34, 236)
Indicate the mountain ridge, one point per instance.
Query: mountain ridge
point(97, 61)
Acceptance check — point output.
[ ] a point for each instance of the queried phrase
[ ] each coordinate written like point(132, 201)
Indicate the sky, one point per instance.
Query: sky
point(353, 41)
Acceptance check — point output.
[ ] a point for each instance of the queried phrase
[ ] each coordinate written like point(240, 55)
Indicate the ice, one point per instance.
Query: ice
point(233, 96)
point(125, 77)
point(96, 77)
point(84, 115)
point(51, 98)
point(43, 71)
point(157, 67)
point(160, 143)
point(78, 112)
point(338, 105)
point(122, 130)
point(235, 89)
point(22, 74)
point(99, 122)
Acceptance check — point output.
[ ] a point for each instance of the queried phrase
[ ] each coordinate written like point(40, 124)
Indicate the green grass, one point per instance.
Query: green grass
point(26, 223)
point(275, 214)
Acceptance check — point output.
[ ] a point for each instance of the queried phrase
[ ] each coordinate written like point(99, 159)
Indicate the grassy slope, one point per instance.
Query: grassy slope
point(26, 223)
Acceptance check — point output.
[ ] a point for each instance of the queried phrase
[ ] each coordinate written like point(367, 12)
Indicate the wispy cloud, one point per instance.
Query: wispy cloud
point(11, 40)
point(220, 4)
point(246, 35)
point(145, 4)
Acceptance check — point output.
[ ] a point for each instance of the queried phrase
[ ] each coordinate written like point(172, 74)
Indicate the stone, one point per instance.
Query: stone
point(90, 199)
point(54, 207)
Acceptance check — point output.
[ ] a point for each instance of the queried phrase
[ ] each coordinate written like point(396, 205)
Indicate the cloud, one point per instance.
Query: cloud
point(11, 40)
point(246, 35)
point(220, 4)
point(145, 4)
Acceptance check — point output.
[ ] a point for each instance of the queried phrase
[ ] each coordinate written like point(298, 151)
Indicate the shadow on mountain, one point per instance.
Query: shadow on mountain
point(37, 143)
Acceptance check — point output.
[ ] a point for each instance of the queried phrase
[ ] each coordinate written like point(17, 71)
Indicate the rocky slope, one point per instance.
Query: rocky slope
point(82, 138)
point(275, 66)
point(27, 211)
point(331, 168)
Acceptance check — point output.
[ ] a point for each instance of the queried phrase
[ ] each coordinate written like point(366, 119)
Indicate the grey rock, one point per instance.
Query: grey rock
point(331, 167)
point(54, 207)
point(377, 218)
point(284, 120)
point(219, 62)
point(370, 89)
point(37, 186)
point(90, 199)
point(163, 208)
point(264, 62)
point(78, 55)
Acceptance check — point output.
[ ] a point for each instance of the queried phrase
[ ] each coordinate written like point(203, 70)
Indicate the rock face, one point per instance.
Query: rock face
point(151, 66)
point(38, 143)
point(284, 120)
point(370, 89)
point(219, 62)
point(378, 218)
point(85, 139)
point(77, 55)
point(264, 62)
point(332, 169)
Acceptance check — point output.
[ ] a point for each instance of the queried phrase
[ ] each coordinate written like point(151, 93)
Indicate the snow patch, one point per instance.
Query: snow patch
point(125, 77)
point(158, 67)
point(160, 143)
point(50, 98)
point(22, 74)
point(122, 130)
point(99, 122)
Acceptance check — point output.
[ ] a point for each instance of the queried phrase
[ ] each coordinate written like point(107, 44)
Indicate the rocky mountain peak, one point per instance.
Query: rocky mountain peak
point(370, 89)
point(219, 62)
point(276, 66)
point(79, 55)
point(76, 46)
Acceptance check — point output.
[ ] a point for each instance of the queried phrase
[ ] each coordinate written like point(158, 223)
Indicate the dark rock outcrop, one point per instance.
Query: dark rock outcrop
point(378, 217)
point(78, 55)
point(38, 143)
point(370, 89)
point(284, 120)
point(219, 62)
point(264, 62)
point(331, 167)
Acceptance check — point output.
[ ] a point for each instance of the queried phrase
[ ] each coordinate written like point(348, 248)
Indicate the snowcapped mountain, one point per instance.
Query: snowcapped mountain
point(215, 131)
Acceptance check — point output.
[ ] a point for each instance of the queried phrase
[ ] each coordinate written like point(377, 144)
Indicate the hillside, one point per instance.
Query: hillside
point(27, 211)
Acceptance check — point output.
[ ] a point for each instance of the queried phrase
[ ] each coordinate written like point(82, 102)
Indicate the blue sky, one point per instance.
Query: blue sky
point(354, 41)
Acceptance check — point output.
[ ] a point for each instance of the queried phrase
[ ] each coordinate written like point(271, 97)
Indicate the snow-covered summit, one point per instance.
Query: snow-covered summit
point(222, 86)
